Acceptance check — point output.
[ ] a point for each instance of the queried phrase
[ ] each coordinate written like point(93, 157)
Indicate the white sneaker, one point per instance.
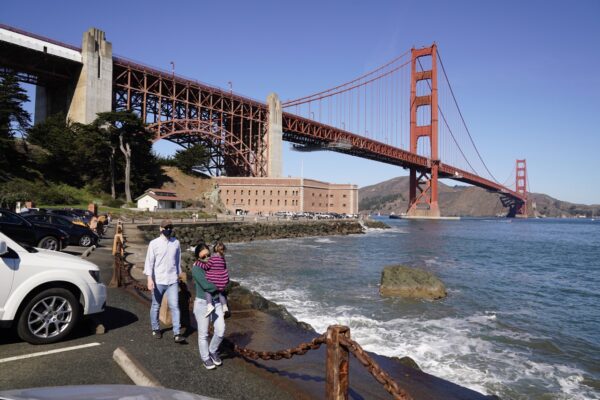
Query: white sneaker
point(209, 310)
point(225, 308)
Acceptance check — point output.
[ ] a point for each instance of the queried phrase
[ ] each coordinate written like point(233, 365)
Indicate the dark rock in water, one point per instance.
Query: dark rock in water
point(401, 281)
point(408, 362)
point(243, 298)
point(369, 223)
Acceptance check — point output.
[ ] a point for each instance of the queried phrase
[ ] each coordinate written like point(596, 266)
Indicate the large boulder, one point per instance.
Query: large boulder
point(241, 298)
point(401, 281)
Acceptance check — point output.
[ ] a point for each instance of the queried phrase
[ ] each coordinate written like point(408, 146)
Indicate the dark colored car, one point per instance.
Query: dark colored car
point(70, 214)
point(22, 231)
point(78, 235)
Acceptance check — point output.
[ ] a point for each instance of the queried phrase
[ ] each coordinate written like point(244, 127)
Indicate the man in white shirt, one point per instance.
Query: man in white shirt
point(162, 267)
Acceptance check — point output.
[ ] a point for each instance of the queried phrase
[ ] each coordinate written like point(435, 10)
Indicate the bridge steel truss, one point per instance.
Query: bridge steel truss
point(232, 128)
point(307, 132)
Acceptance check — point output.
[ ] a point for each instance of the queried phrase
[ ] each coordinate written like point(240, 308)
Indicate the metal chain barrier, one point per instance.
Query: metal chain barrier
point(299, 350)
point(380, 375)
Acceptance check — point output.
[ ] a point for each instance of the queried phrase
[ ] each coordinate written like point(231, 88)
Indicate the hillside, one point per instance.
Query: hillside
point(197, 191)
point(391, 196)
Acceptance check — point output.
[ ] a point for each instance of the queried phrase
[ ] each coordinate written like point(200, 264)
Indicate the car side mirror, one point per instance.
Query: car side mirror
point(3, 248)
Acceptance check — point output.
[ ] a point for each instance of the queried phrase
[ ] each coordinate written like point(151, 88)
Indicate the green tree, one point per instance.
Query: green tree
point(192, 157)
point(60, 161)
point(13, 117)
point(129, 141)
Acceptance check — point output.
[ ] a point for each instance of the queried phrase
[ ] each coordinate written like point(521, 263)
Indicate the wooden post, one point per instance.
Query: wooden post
point(336, 386)
point(118, 253)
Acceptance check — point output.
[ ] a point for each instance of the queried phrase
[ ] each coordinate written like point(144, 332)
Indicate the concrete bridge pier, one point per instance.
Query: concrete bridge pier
point(51, 100)
point(93, 91)
point(274, 137)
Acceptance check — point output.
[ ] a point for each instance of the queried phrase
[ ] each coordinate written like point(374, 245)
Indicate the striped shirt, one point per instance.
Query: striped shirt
point(216, 271)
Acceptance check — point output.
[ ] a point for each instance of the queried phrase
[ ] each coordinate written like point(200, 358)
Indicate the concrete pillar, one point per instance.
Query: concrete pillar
point(52, 100)
point(41, 105)
point(274, 137)
point(93, 93)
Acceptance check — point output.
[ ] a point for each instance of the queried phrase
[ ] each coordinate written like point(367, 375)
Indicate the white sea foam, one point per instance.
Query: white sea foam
point(451, 348)
point(324, 240)
point(385, 232)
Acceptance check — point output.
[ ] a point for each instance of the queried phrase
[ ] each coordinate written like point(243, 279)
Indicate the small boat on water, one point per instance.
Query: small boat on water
point(394, 216)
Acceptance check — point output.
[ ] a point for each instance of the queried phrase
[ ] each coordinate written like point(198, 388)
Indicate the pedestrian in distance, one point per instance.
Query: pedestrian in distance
point(101, 221)
point(209, 352)
point(94, 223)
point(162, 267)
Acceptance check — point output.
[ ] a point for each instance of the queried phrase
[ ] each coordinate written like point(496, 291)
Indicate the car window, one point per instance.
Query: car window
point(37, 218)
point(61, 221)
point(9, 218)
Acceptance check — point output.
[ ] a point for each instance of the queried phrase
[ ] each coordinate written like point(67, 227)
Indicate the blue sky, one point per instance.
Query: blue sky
point(524, 72)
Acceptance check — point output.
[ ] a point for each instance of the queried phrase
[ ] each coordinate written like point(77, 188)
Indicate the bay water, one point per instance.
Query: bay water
point(522, 316)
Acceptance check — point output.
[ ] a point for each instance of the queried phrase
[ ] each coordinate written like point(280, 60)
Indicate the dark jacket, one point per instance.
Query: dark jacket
point(202, 285)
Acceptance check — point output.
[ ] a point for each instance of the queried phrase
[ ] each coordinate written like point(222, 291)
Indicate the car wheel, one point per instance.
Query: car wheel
point(49, 243)
point(86, 241)
point(49, 316)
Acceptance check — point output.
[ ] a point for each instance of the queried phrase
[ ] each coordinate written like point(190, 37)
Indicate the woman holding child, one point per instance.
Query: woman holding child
point(210, 277)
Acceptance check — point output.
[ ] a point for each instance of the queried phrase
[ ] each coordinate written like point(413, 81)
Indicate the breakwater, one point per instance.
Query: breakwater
point(191, 234)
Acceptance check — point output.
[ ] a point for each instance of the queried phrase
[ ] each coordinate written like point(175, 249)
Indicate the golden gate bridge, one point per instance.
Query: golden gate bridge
point(403, 113)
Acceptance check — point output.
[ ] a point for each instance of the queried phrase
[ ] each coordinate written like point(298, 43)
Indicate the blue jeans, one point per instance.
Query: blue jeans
point(172, 292)
point(218, 321)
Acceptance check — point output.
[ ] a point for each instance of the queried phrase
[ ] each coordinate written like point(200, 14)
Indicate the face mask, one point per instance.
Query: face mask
point(167, 232)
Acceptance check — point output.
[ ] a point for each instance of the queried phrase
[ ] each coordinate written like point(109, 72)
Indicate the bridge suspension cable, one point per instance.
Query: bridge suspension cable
point(463, 120)
point(377, 106)
point(447, 125)
point(374, 105)
point(318, 95)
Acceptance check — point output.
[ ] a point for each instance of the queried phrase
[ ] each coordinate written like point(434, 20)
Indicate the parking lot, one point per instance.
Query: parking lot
point(87, 358)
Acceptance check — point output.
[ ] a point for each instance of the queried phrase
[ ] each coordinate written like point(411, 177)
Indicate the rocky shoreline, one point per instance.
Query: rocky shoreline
point(270, 326)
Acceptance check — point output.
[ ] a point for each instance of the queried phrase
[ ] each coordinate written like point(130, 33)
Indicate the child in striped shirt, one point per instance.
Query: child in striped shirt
point(215, 269)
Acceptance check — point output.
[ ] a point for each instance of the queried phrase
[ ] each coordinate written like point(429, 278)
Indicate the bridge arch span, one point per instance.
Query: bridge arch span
point(228, 155)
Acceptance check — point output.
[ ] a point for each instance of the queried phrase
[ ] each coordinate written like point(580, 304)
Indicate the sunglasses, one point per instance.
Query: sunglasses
point(168, 227)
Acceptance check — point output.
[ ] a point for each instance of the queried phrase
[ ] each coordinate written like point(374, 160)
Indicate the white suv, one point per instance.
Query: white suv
point(45, 292)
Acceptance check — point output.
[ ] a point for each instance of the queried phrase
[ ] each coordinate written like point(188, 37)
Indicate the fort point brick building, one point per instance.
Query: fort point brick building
point(270, 195)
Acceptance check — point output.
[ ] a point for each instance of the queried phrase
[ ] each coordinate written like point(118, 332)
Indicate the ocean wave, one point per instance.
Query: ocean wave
point(386, 232)
point(451, 348)
point(324, 240)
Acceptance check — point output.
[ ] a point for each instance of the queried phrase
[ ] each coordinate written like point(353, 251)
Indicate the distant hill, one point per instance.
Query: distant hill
point(392, 196)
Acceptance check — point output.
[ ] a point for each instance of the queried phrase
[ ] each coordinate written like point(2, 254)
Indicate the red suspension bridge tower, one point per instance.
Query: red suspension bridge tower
point(521, 186)
point(423, 193)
